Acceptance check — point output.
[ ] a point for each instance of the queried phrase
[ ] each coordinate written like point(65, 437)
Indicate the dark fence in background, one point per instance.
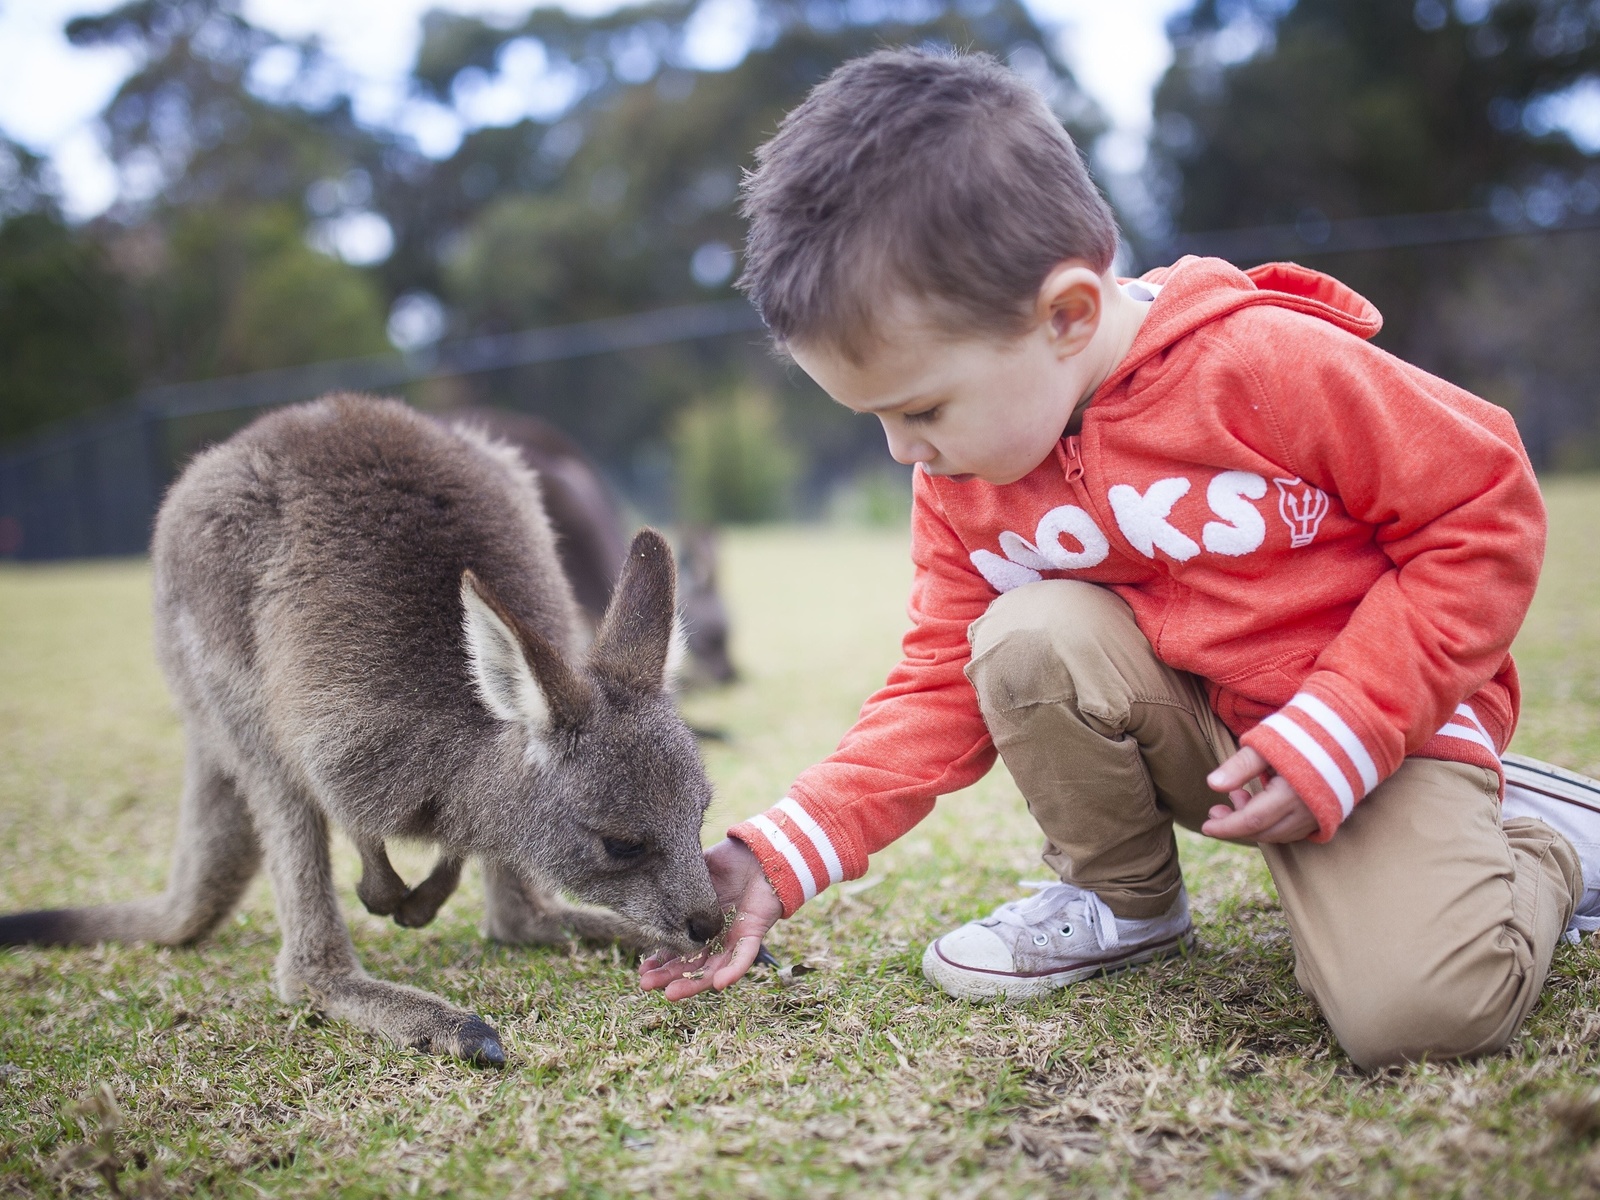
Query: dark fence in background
point(91, 487)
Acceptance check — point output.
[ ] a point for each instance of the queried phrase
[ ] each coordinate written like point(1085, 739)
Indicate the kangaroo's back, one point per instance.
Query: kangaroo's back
point(307, 575)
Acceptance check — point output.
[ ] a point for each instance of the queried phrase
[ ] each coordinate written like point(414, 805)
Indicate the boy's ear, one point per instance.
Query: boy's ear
point(1070, 302)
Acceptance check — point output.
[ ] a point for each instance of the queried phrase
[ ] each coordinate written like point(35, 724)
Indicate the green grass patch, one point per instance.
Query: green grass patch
point(177, 1072)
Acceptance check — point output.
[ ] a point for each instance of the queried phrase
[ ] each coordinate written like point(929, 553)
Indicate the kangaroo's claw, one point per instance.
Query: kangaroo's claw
point(480, 1045)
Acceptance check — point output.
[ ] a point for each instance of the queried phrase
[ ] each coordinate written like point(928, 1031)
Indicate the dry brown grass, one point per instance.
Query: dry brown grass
point(174, 1072)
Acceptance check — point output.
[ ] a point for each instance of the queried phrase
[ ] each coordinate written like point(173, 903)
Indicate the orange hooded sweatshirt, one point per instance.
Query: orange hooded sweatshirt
point(1340, 544)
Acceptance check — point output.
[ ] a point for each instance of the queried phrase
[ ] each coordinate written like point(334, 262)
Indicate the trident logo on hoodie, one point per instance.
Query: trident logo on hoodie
point(1302, 511)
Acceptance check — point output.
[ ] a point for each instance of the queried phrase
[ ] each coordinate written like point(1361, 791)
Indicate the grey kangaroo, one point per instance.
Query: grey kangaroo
point(362, 620)
point(587, 525)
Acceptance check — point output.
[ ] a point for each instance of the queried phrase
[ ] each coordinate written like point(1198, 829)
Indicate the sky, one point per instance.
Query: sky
point(50, 91)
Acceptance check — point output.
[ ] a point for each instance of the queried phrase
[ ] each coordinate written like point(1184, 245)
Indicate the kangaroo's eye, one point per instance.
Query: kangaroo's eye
point(622, 849)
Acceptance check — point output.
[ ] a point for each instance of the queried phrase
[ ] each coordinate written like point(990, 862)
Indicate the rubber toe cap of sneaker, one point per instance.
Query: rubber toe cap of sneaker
point(975, 947)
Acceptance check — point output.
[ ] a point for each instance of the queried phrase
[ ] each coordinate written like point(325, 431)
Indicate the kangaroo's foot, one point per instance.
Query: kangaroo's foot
point(317, 961)
point(422, 903)
point(407, 1016)
point(524, 915)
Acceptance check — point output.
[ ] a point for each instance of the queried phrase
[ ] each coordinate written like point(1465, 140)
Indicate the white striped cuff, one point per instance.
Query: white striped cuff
point(1321, 761)
point(1466, 726)
point(1335, 727)
point(791, 854)
point(819, 840)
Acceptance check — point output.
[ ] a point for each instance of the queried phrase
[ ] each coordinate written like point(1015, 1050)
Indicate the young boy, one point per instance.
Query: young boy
point(1177, 540)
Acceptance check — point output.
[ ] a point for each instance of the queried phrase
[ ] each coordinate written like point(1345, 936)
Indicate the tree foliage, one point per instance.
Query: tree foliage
point(60, 325)
point(237, 149)
point(1365, 107)
point(1318, 110)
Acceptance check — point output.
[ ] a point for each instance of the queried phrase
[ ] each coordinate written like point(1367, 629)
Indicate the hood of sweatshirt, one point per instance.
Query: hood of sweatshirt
point(1195, 291)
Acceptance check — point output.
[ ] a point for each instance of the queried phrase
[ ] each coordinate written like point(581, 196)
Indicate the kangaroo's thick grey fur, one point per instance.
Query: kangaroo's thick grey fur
point(363, 622)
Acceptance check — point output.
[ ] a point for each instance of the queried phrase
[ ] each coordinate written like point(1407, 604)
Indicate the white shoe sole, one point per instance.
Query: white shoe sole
point(965, 983)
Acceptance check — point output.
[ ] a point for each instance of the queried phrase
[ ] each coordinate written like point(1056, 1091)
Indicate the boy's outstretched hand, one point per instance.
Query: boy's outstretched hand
point(742, 886)
point(1274, 814)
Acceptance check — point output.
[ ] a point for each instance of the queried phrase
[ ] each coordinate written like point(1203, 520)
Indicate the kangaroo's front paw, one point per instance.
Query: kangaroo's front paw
point(472, 1039)
point(416, 910)
point(422, 903)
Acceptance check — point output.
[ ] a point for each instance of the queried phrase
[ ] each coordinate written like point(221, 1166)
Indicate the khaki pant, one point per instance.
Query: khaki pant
point(1424, 928)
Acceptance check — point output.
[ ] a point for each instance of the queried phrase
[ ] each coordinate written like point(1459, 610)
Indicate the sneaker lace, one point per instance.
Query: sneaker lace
point(1051, 903)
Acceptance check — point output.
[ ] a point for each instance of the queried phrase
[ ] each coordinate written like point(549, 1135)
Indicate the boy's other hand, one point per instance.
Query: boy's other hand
point(1274, 814)
point(742, 886)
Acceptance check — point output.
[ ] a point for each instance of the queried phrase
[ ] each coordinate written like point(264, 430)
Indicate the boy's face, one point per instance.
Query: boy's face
point(982, 407)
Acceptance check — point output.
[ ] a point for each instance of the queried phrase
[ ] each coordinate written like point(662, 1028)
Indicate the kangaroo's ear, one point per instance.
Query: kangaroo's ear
point(517, 674)
point(636, 636)
point(677, 662)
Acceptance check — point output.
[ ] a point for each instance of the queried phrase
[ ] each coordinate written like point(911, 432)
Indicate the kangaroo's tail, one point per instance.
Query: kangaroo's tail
point(164, 919)
point(215, 857)
point(43, 927)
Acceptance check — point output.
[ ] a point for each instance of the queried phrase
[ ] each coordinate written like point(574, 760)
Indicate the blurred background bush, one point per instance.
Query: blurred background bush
point(1438, 156)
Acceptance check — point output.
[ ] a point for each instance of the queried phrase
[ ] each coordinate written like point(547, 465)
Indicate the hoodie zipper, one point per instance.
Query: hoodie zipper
point(1074, 463)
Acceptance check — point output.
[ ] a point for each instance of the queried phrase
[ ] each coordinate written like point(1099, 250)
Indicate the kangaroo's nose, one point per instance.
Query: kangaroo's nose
point(705, 926)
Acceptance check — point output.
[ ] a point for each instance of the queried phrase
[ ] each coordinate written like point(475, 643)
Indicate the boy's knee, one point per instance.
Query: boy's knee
point(1022, 646)
point(1401, 1023)
point(1053, 613)
point(1059, 640)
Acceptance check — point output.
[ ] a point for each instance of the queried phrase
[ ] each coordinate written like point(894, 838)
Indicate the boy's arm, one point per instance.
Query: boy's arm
point(920, 736)
point(1443, 478)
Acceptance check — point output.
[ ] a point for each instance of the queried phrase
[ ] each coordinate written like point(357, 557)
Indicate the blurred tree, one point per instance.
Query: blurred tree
point(239, 290)
point(1305, 111)
point(235, 148)
point(220, 110)
point(627, 200)
point(735, 463)
point(62, 343)
point(62, 339)
point(27, 184)
point(1345, 108)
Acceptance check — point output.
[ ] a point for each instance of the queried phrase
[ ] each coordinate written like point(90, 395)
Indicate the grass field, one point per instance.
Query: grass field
point(176, 1072)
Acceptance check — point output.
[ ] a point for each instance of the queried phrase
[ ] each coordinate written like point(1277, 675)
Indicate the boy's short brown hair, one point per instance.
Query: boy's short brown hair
point(944, 178)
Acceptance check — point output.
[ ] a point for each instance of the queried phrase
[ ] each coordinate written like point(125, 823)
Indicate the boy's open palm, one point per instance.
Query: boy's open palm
point(1274, 814)
point(743, 887)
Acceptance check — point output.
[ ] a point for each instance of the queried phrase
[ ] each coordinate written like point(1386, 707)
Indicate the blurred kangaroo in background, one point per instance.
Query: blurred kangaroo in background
point(363, 620)
point(587, 522)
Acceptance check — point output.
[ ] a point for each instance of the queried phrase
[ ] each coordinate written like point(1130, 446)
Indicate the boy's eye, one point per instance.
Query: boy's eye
point(925, 417)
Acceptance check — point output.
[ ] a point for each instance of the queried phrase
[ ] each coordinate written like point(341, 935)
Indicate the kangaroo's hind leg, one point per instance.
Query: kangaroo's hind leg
point(318, 962)
point(214, 857)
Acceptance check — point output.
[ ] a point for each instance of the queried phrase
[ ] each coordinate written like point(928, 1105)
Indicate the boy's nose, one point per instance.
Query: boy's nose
point(908, 451)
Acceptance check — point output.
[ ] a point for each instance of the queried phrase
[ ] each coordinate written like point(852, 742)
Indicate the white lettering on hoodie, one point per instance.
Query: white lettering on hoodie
point(1245, 529)
point(1143, 518)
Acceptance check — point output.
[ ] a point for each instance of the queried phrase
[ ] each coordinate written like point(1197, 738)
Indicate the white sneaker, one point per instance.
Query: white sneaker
point(1570, 804)
point(1063, 934)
